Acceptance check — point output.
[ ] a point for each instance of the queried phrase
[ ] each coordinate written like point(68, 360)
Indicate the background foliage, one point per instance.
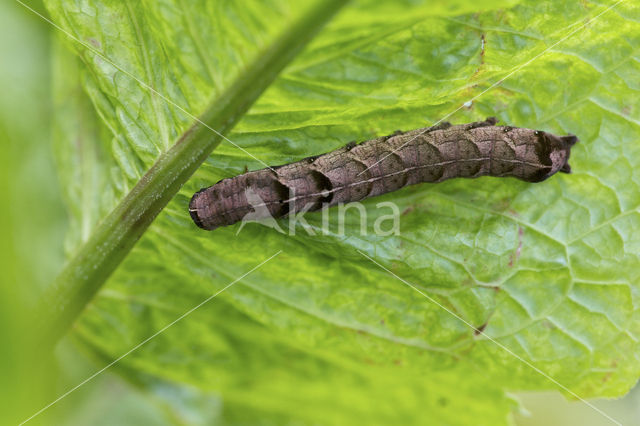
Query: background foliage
point(551, 268)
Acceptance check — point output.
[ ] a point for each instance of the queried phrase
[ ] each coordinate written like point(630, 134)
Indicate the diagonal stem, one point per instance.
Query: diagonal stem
point(114, 237)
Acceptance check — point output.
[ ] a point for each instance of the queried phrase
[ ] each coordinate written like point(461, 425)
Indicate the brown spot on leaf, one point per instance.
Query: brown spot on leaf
point(407, 210)
point(483, 44)
point(516, 254)
point(95, 43)
point(480, 329)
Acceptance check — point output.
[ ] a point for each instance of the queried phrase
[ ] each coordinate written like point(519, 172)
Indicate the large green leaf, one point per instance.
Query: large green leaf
point(320, 333)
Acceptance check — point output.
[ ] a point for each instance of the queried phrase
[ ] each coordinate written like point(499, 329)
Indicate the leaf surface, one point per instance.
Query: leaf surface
point(549, 270)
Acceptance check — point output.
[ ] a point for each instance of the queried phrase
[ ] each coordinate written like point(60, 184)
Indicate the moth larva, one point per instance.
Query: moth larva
point(378, 166)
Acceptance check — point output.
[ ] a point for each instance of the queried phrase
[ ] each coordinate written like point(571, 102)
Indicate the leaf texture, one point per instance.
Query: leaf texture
point(550, 271)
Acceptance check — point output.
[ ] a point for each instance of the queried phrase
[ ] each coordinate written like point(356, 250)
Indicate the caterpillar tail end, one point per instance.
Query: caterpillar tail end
point(193, 210)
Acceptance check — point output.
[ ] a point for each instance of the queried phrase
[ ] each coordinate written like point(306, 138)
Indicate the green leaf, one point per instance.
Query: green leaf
point(112, 239)
point(320, 333)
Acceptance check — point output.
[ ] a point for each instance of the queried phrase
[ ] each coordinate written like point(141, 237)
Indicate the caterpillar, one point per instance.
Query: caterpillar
point(377, 166)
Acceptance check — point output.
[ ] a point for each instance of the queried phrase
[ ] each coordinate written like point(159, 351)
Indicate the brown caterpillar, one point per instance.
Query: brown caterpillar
point(378, 166)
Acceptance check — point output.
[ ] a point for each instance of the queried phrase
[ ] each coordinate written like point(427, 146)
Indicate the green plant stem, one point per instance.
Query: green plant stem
point(114, 237)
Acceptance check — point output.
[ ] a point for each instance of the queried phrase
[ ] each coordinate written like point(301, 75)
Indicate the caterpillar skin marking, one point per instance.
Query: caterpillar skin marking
point(378, 166)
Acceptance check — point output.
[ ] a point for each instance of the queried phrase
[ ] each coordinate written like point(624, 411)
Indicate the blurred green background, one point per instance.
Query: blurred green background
point(33, 225)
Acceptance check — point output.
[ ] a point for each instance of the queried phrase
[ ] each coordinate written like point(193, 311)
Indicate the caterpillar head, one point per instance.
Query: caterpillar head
point(554, 152)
